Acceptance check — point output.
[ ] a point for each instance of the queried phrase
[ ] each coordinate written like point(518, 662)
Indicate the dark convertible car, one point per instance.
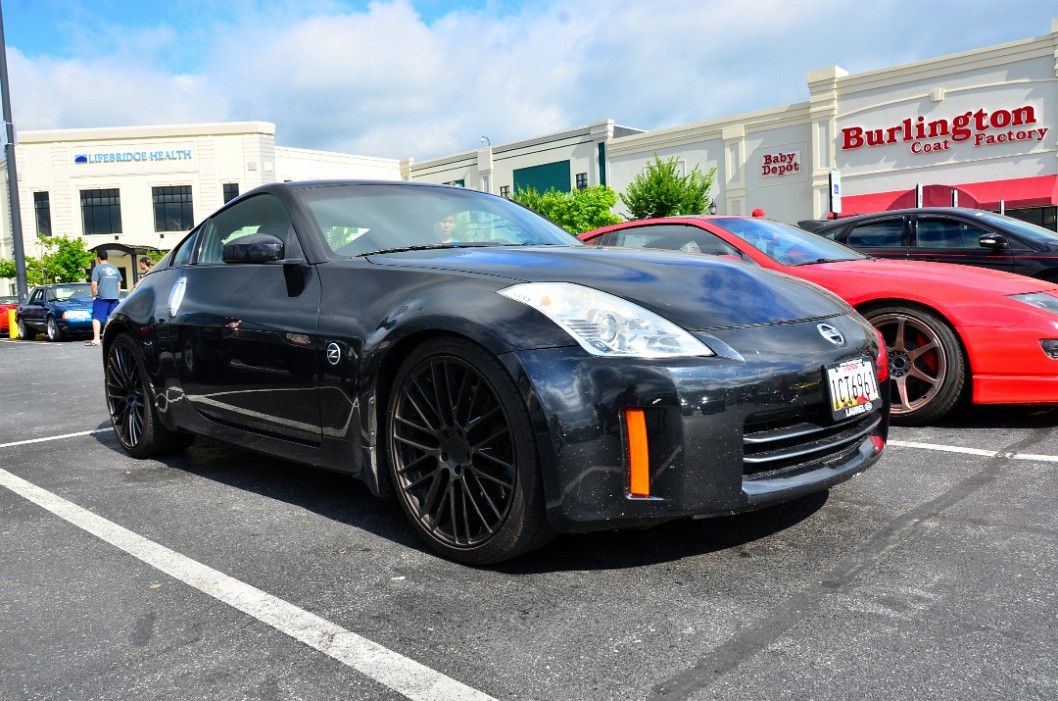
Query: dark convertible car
point(505, 381)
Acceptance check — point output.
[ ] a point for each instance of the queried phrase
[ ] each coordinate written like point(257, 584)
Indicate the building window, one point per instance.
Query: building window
point(505, 191)
point(42, 206)
point(172, 208)
point(101, 211)
point(582, 181)
point(231, 191)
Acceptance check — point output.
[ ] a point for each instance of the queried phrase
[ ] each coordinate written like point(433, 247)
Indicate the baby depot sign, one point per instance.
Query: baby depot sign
point(780, 163)
point(977, 127)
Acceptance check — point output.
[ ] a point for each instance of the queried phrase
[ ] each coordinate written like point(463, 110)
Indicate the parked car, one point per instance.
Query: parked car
point(6, 304)
point(950, 235)
point(952, 334)
point(504, 380)
point(58, 310)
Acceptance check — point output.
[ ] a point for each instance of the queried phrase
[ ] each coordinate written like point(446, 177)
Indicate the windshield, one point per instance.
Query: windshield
point(787, 244)
point(61, 293)
point(1029, 231)
point(368, 218)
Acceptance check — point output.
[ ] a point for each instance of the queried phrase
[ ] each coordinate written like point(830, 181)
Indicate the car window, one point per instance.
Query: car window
point(1023, 228)
point(947, 233)
point(61, 293)
point(889, 232)
point(183, 253)
point(786, 244)
point(262, 214)
point(37, 297)
point(359, 219)
point(671, 237)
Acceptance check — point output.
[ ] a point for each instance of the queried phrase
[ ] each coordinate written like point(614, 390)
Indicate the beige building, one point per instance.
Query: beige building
point(133, 189)
point(978, 128)
point(982, 124)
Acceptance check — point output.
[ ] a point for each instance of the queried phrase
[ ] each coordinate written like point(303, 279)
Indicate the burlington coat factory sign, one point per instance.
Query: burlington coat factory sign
point(979, 128)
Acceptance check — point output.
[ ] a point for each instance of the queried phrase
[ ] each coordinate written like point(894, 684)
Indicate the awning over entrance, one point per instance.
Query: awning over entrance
point(1039, 191)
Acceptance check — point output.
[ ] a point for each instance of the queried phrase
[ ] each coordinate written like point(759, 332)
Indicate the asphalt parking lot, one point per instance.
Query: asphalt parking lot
point(223, 574)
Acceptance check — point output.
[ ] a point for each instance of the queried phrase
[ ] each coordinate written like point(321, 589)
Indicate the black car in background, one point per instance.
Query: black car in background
point(949, 235)
point(504, 380)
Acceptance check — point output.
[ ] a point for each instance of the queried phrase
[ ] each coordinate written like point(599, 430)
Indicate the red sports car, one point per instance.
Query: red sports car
point(6, 303)
point(954, 333)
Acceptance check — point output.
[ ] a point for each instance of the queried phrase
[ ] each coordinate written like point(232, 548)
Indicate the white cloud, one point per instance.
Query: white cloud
point(383, 81)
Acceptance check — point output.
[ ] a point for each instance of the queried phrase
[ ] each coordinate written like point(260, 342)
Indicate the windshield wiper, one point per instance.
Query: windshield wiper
point(431, 247)
point(822, 260)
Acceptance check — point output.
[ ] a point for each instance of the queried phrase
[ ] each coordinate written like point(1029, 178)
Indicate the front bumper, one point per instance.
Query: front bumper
point(724, 436)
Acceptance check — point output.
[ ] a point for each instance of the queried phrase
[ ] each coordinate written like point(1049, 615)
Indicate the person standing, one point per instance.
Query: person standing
point(106, 287)
point(145, 265)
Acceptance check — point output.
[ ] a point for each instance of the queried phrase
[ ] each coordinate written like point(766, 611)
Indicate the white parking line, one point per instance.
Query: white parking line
point(974, 451)
point(55, 438)
point(405, 676)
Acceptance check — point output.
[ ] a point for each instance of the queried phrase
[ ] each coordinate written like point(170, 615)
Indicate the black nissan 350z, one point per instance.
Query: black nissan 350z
point(504, 381)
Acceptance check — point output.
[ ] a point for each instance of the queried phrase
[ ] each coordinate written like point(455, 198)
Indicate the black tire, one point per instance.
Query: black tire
point(53, 330)
point(131, 403)
point(926, 363)
point(462, 455)
point(25, 332)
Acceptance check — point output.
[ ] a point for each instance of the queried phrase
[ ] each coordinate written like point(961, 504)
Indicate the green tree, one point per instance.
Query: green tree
point(62, 260)
point(67, 259)
point(576, 211)
point(663, 192)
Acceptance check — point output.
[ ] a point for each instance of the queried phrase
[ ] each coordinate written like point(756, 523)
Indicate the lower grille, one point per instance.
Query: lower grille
point(779, 444)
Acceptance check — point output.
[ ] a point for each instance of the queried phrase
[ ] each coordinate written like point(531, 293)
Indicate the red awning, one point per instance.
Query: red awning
point(1039, 191)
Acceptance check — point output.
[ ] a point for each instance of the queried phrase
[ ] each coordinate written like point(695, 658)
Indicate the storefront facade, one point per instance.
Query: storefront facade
point(977, 129)
point(981, 124)
point(131, 190)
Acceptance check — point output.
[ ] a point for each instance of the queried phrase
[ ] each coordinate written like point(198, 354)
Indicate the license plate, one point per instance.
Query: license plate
point(852, 388)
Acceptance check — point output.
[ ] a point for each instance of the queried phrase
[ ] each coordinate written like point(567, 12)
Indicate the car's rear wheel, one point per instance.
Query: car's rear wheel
point(131, 404)
point(462, 454)
point(54, 332)
point(25, 332)
point(926, 363)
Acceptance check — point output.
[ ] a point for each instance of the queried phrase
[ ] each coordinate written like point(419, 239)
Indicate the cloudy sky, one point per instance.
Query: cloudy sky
point(424, 78)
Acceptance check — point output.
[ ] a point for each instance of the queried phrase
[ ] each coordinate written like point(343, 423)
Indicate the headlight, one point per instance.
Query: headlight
point(1041, 300)
point(76, 314)
point(606, 325)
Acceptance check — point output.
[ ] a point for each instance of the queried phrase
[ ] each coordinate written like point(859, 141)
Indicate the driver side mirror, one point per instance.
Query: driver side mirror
point(253, 248)
point(993, 241)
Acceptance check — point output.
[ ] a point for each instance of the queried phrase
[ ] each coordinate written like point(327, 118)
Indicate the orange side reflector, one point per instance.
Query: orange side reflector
point(639, 459)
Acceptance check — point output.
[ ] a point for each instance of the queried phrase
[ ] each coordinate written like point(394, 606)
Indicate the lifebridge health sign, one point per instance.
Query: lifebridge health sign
point(133, 156)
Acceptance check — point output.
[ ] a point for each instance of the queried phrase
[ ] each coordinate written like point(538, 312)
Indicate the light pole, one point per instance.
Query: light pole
point(12, 171)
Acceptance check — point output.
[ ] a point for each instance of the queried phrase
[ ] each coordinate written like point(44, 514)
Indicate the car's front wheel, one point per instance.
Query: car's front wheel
point(462, 454)
point(926, 363)
point(54, 332)
point(131, 404)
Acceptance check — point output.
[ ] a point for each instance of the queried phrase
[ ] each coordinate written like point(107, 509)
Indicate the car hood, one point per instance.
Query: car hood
point(878, 272)
point(72, 303)
point(696, 292)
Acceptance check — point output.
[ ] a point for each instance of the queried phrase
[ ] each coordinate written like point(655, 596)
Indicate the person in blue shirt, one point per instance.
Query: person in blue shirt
point(106, 289)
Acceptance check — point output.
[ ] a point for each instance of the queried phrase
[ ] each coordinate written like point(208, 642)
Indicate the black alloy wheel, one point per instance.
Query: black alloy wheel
point(462, 454)
point(54, 332)
point(131, 405)
point(926, 363)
